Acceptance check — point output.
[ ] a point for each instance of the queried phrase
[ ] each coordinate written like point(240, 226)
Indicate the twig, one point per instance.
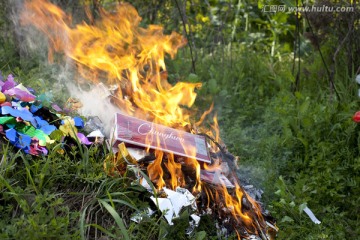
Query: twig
point(187, 36)
point(331, 81)
point(263, 235)
point(357, 71)
point(222, 149)
point(297, 52)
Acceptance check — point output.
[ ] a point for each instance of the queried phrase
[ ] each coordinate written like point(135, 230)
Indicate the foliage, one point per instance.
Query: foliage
point(298, 144)
point(311, 142)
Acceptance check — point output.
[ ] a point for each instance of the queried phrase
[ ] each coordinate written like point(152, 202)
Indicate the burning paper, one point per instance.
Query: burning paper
point(137, 153)
point(155, 136)
point(117, 163)
point(216, 178)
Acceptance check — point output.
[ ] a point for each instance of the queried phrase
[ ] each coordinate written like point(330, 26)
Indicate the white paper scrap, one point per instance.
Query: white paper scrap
point(96, 133)
point(196, 219)
point(187, 194)
point(178, 200)
point(137, 217)
point(311, 215)
point(165, 207)
point(137, 153)
point(145, 184)
point(191, 199)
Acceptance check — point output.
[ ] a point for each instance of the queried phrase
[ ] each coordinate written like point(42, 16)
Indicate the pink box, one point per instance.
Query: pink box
point(146, 134)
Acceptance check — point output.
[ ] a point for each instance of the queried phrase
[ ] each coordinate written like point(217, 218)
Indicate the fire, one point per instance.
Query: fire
point(130, 56)
point(116, 50)
point(155, 170)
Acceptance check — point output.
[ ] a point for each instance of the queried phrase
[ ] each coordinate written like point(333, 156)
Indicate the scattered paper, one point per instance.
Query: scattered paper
point(145, 184)
point(21, 93)
point(191, 198)
point(138, 216)
point(311, 215)
point(196, 219)
point(178, 200)
point(83, 139)
point(165, 207)
point(174, 203)
point(137, 153)
point(28, 125)
point(97, 134)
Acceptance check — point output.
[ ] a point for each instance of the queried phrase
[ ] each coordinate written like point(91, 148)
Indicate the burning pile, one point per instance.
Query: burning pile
point(116, 51)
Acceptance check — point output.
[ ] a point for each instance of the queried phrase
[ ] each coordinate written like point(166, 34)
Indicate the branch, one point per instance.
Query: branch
point(187, 36)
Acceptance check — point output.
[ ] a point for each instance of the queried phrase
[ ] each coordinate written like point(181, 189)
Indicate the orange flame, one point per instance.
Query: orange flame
point(116, 50)
point(131, 56)
point(155, 170)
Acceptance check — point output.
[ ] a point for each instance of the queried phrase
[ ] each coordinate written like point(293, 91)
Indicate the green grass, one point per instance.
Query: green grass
point(302, 148)
point(67, 195)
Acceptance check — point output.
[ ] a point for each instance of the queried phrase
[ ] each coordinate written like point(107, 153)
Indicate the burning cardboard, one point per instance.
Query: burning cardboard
point(146, 134)
point(216, 178)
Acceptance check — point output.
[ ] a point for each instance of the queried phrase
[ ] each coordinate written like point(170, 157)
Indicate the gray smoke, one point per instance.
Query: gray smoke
point(33, 44)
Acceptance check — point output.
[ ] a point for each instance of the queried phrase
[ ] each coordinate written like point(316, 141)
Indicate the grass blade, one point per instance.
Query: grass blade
point(82, 224)
point(103, 230)
point(117, 218)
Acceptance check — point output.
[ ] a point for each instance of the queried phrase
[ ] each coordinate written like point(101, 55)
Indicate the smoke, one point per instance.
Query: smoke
point(34, 45)
point(29, 43)
point(95, 102)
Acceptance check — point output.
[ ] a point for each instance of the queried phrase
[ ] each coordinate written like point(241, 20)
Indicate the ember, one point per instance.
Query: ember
point(133, 59)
